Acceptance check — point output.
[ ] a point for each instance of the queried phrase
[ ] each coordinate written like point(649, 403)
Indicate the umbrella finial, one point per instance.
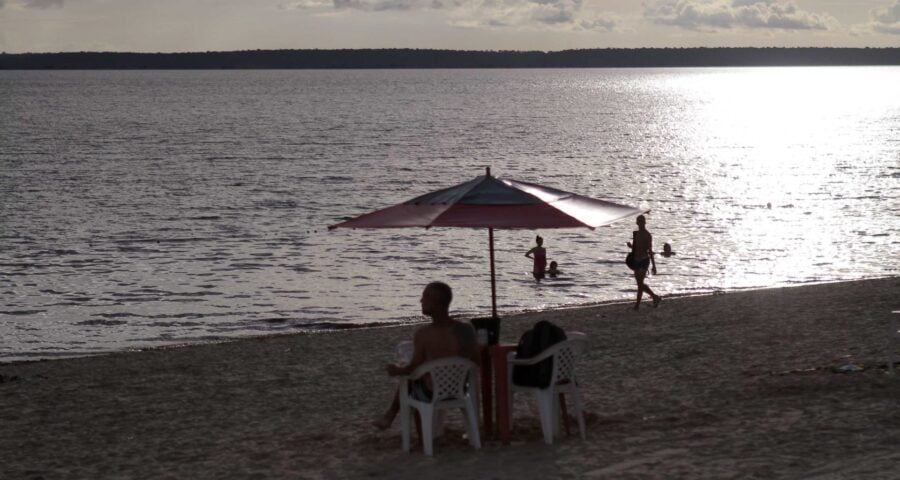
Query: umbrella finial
point(487, 171)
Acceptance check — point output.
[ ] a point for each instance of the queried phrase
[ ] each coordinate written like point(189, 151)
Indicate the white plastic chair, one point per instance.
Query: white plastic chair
point(565, 355)
point(453, 385)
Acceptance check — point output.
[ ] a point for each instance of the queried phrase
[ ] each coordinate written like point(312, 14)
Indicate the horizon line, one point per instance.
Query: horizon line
point(190, 52)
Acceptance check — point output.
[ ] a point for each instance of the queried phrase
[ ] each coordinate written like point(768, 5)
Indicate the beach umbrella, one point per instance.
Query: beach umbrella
point(493, 202)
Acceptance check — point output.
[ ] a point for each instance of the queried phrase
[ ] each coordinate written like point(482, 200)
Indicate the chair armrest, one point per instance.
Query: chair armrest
point(426, 367)
point(579, 339)
point(418, 373)
point(512, 360)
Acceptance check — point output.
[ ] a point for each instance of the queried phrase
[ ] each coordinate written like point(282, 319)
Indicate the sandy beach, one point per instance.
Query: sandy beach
point(733, 385)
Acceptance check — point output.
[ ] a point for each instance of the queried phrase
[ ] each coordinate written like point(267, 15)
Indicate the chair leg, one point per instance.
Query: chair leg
point(892, 347)
point(438, 424)
point(474, 387)
point(579, 414)
point(427, 414)
point(470, 412)
point(509, 407)
point(557, 415)
point(404, 425)
point(547, 411)
point(563, 414)
point(893, 344)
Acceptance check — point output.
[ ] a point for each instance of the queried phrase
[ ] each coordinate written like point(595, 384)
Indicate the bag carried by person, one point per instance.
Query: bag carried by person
point(629, 260)
point(542, 336)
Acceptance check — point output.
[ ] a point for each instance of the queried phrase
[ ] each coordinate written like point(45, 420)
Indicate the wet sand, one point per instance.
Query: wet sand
point(734, 385)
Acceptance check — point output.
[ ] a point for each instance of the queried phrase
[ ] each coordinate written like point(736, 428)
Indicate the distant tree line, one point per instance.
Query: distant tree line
point(416, 58)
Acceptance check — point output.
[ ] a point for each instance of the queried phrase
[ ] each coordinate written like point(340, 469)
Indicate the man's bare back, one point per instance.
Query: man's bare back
point(447, 339)
point(642, 244)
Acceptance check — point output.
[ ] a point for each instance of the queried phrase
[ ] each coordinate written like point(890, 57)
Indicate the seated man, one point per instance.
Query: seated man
point(443, 337)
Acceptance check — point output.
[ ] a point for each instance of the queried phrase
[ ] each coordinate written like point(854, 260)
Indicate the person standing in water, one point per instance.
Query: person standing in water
point(642, 253)
point(540, 258)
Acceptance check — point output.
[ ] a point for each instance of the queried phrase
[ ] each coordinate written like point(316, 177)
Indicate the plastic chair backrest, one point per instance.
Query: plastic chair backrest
point(449, 377)
point(565, 354)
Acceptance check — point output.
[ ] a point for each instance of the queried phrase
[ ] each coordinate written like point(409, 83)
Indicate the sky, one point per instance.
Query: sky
point(546, 25)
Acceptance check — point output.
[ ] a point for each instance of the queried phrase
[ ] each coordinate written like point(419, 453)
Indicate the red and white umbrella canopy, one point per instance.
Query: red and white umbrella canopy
point(491, 202)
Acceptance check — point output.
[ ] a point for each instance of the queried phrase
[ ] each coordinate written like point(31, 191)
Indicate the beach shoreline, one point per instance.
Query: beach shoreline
point(340, 327)
point(732, 385)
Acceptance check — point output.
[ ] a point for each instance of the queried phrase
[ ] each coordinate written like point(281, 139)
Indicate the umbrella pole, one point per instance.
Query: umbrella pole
point(493, 276)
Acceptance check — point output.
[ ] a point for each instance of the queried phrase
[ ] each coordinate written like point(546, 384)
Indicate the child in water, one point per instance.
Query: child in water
point(553, 271)
point(667, 250)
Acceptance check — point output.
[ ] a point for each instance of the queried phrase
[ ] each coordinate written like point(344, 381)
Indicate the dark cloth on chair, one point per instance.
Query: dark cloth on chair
point(420, 390)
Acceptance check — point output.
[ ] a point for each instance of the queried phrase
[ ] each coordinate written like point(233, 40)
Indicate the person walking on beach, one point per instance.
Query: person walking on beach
point(642, 258)
point(540, 258)
point(443, 337)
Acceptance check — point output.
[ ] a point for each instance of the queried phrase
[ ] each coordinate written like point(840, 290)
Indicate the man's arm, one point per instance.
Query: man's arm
point(650, 251)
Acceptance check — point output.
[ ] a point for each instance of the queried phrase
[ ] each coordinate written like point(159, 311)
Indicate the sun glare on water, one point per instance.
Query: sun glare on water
point(760, 137)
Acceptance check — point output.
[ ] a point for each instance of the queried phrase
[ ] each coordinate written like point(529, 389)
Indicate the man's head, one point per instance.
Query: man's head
point(641, 221)
point(436, 298)
point(539, 240)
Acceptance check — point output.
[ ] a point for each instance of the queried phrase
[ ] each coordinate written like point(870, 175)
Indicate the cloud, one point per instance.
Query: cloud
point(746, 14)
point(608, 24)
point(42, 4)
point(306, 5)
point(538, 14)
point(570, 15)
point(39, 4)
point(364, 5)
point(883, 20)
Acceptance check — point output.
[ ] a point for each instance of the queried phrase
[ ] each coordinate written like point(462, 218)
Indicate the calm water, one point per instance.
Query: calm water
point(141, 209)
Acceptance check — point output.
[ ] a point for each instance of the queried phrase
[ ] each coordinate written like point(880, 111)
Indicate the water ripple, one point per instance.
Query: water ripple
point(195, 209)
